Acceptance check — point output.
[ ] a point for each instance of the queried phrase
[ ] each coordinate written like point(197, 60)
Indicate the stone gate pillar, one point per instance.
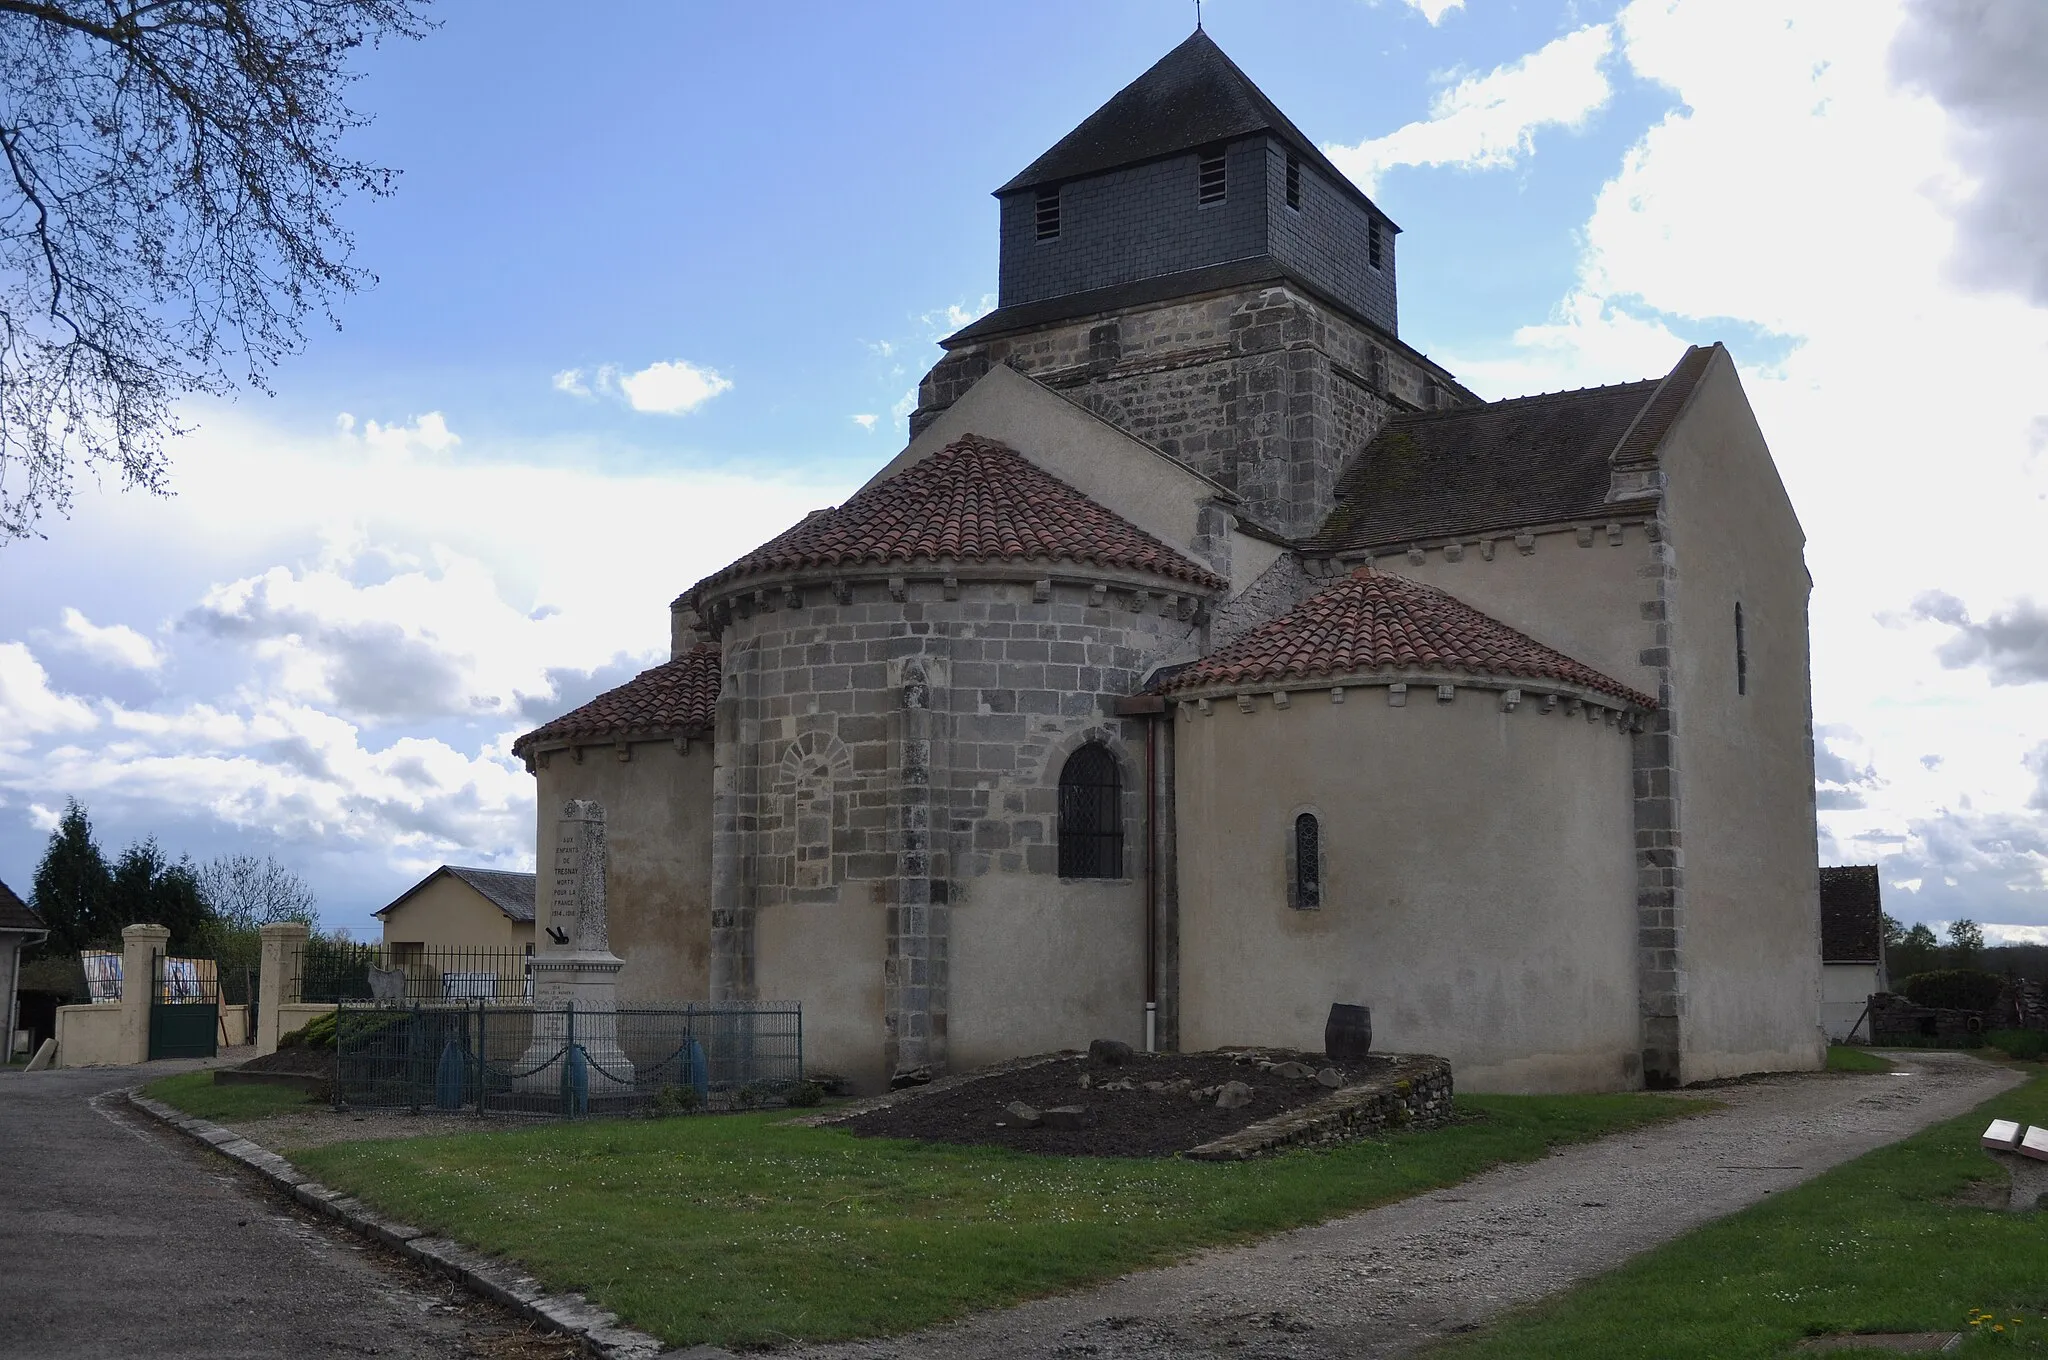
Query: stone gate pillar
point(140, 945)
point(276, 983)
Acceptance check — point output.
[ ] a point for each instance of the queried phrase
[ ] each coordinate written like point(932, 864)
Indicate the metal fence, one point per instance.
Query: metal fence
point(565, 1063)
point(334, 970)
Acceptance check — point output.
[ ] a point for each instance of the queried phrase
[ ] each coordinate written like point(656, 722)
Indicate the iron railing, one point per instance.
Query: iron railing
point(564, 1062)
point(336, 970)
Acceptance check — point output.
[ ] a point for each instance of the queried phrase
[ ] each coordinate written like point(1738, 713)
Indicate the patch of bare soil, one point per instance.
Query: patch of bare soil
point(1150, 1105)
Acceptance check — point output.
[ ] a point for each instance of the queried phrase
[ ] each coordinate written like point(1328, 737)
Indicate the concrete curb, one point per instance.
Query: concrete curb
point(598, 1329)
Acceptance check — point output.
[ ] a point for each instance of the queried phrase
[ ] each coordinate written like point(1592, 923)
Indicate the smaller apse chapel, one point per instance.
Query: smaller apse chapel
point(1210, 655)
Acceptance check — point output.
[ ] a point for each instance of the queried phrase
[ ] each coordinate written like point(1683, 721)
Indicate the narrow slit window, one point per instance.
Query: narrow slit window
point(1214, 182)
point(1308, 863)
point(1741, 653)
point(1048, 214)
point(1091, 815)
point(1372, 243)
point(1293, 180)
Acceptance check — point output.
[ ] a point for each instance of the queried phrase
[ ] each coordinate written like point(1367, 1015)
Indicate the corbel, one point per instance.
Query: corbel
point(1486, 549)
point(898, 589)
point(1245, 703)
point(1097, 594)
point(1397, 695)
point(950, 587)
point(1454, 552)
point(1280, 699)
point(682, 740)
point(1509, 700)
point(623, 750)
point(1416, 556)
point(1138, 598)
point(842, 590)
point(576, 754)
point(1336, 694)
point(792, 598)
point(1584, 533)
point(1205, 708)
point(764, 601)
point(1525, 543)
point(1446, 693)
point(1550, 703)
point(1614, 534)
point(1573, 707)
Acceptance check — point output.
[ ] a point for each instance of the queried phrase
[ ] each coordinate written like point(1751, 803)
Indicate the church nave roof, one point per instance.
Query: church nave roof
point(1371, 622)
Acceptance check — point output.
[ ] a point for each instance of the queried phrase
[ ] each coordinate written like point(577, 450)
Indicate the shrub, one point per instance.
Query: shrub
point(315, 1033)
point(1955, 989)
point(673, 1100)
point(805, 1094)
point(2028, 1045)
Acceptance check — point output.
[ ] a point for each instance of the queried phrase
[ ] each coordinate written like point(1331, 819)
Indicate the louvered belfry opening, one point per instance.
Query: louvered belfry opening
point(1091, 815)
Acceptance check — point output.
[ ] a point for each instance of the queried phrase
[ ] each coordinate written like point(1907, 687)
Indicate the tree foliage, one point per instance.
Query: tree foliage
point(147, 888)
point(170, 171)
point(72, 885)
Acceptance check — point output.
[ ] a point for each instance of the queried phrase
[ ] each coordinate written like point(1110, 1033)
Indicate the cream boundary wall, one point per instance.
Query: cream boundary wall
point(1478, 883)
point(294, 1015)
point(657, 805)
point(1745, 762)
point(91, 1036)
point(449, 914)
point(1164, 497)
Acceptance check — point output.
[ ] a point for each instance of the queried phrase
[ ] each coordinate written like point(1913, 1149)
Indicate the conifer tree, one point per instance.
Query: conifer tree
point(72, 887)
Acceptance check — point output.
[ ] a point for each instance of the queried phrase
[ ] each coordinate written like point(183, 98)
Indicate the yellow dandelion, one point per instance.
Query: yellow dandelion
point(1998, 1327)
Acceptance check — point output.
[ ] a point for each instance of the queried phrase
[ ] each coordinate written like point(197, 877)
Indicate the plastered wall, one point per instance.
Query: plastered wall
point(1478, 883)
point(658, 876)
point(1745, 761)
point(449, 914)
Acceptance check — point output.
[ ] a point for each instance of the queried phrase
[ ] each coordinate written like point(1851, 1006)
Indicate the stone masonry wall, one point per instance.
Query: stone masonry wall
point(1264, 390)
point(893, 741)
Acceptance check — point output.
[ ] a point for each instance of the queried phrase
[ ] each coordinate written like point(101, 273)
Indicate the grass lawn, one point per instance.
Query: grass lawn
point(743, 1229)
point(1843, 1058)
point(195, 1094)
point(1875, 1245)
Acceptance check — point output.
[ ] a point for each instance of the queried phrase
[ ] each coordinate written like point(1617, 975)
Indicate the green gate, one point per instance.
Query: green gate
point(184, 1008)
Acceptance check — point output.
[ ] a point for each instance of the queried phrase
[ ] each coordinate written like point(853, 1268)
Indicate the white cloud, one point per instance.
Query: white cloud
point(866, 420)
point(1489, 122)
point(668, 387)
point(1799, 204)
point(422, 434)
point(1434, 10)
point(672, 388)
point(943, 321)
point(29, 707)
point(1994, 933)
point(115, 645)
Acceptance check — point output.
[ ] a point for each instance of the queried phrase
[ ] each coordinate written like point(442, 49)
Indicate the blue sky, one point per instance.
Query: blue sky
point(658, 279)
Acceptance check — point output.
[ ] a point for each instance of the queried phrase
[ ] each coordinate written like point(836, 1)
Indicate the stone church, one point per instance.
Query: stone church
point(1210, 655)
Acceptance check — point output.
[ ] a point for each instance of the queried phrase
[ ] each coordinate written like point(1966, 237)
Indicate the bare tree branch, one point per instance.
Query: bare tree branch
point(173, 173)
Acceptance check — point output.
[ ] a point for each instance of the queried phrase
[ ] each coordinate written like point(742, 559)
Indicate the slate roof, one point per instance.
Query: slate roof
point(15, 914)
point(1529, 460)
point(1371, 622)
point(975, 500)
point(1191, 97)
point(676, 696)
point(509, 892)
point(1851, 915)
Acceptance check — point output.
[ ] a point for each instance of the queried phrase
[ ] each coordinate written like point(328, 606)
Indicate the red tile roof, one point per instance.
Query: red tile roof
point(676, 696)
point(1372, 622)
point(973, 501)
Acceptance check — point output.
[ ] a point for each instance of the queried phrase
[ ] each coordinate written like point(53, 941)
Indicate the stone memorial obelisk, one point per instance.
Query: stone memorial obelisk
point(575, 973)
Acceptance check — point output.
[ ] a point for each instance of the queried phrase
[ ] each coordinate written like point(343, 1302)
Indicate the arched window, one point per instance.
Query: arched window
point(1091, 815)
point(1306, 863)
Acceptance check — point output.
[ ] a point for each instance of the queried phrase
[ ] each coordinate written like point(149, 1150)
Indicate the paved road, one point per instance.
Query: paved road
point(1387, 1282)
point(119, 1238)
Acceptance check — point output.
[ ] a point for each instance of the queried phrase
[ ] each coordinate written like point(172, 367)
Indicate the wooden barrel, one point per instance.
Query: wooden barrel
point(1348, 1032)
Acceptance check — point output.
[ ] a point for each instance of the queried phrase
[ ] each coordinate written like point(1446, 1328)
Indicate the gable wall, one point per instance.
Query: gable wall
point(449, 914)
point(1751, 916)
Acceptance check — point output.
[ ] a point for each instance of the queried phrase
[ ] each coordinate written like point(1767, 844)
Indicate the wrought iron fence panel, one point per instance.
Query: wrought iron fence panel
point(565, 1063)
point(338, 971)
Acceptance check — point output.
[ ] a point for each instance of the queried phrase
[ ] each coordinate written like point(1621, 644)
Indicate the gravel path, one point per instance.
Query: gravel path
point(1386, 1282)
